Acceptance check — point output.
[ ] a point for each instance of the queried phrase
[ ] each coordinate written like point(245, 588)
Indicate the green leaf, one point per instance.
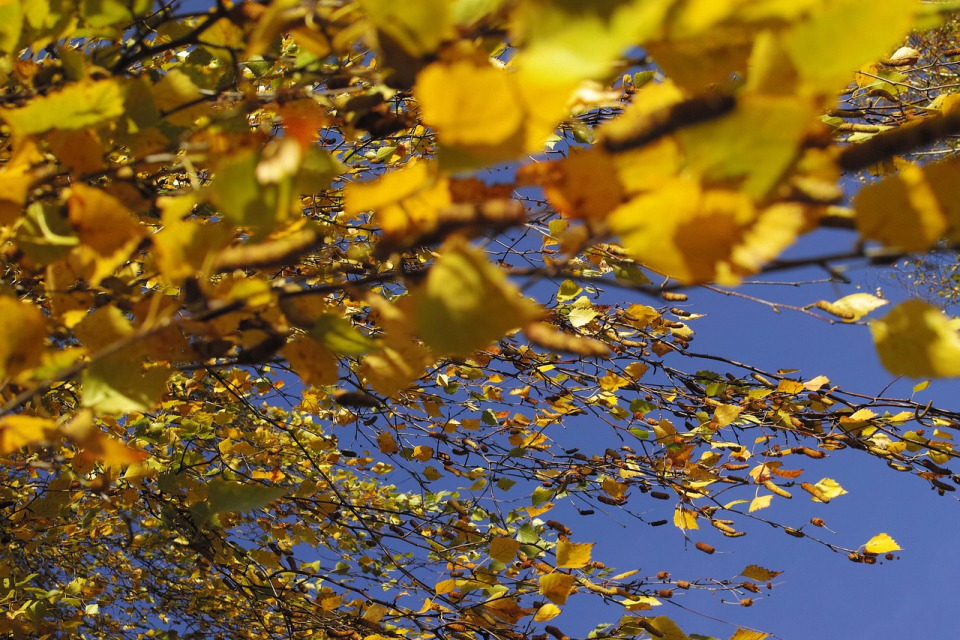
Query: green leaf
point(339, 336)
point(120, 384)
point(466, 303)
point(227, 496)
point(80, 105)
point(568, 291)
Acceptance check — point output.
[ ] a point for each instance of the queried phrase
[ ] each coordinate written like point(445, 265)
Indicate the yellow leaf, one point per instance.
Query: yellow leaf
point(815, 383)
point(726, 413)
point(315, 365)
point(98, 445)
point(22, 332)
point(81, 104)
point(486, 114)
point(881, 543)
point(712, 235)
point(853, 307)
point(749, 634)
point(758, 573)
point(573, 555)
point(583, 185)
point(613, 488)
point(19, 431)
point(685, 519)
point(760, 502)
point(917, 340)
point(102, 221)
point(393, 369)
point(829, 488)
point(174, 90)
point(419, 27)
point(387, 443)
point(504, 549)
point(546, 612)
point(556, 587)
point(902, 210)
point(469, 104)
point(406, 202)
point(122, 382)
point(571, 42)
point(667, 628)
point(790, 387)
point(824, 53)
point(184, 248)
point(422, 453)
point(445, 586)
point(635, 370)
point(756, 143)
point(466, 303)
point(533, 512)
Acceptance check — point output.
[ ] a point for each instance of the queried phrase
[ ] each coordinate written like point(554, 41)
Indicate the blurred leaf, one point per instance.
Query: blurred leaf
point(228, 496)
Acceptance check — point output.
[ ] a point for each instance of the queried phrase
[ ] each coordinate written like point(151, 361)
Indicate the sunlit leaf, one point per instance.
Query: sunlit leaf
point(829, 488)
point(881, 543)
point(573, 555)
point(78, 105)
point(556, 587)
point(917, 340)
point(19, 431)
point(685, 519)
point(228, 496)
point(758, 573)
point(546, 612)
point(22, 331)
point(504, 549)
point(466, 303)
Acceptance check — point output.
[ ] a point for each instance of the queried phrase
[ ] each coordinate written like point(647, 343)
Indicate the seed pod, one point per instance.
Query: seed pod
point(794, 532)
point(735, 534)
point(665, 593)
point(810, 453)
point(557, 526)
point(770, 486)
point(658, 523)
point(659, 495)
point(730, 466)
point(941, 486)
point(814, 491)
point(556, 633)
point(683, 584)
point(749, 586)
point(723, 526)
point(817, 522)
point(703, 546)
point(746, 602)
point(456, 626)
point(672, 296)
point(663, 575)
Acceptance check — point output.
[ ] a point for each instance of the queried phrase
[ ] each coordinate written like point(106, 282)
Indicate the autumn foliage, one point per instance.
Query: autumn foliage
point(300, 297)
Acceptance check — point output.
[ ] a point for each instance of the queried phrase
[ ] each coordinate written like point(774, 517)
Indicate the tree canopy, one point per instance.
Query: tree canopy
point(307, 305)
